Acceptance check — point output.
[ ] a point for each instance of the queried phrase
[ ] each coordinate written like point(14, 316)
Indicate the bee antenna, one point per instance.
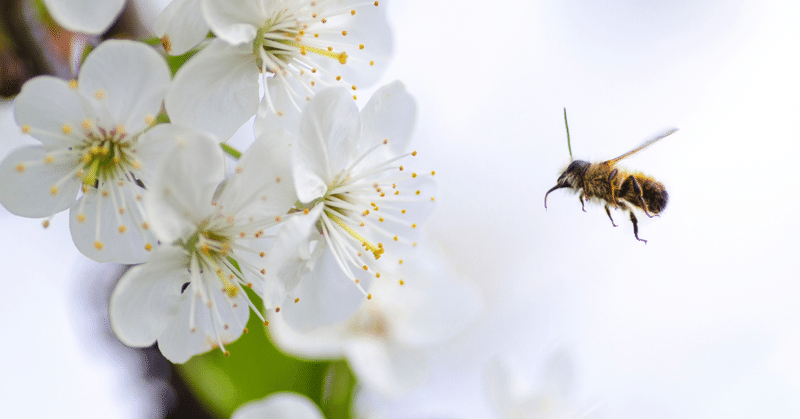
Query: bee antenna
point(569, 146)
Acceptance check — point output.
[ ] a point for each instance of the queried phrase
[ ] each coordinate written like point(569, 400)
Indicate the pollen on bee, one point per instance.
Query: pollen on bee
point(98, 245)
point(148, 247)
point(121, 228)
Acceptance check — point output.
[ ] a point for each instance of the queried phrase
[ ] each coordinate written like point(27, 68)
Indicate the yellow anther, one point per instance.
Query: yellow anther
point(352, 12)
point(413, 175)
point(354, 87)
point(148, 247)
point(121, 229)
point(378, 275)
point(402, 282)
point(433, 172)
point(372, 63)
point(149, 119)
point(355, 97)
point(98, 245)
point(402, 211)
point(73, 84)
point(369, 296)
point(417, 192)
point(297, 300)
point(66, 128)
point(413, 226)
point(87, 125)
point(19, 167)
point(433, 199)
point(26, 129)
point(365, 267)
point(365, 213)
point(165, 42)
point(376, 3)
point(344, 33)
point(395, 238)
point(380, 219)
point(81, 218)
point(100, 94)
point(414, 153)
point(54, 190)
point(338, 78)
point(400, 261)
point(46, 223)
point(145, 225)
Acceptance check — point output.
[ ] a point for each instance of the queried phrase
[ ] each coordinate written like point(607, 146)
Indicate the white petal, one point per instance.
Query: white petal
point(146, 299)
point(390, 114)
point(178, 342)
point(184, 185)
point(85, 16)
point(330, 130)
point(153, 144)
point(216, 90)
point(237, 24)
point(118, 231)
point(321, 343)
point(127, 78)
point(32, 188)
point(261, 186)
point(389, 369)
point(282, 405)
point(49, 107)
point(183, 24)
point(326, 296)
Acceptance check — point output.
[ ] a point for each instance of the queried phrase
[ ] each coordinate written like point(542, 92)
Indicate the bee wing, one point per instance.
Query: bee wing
point(640, 148)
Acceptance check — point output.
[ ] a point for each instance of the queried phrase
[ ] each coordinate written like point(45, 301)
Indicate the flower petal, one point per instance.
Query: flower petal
point(235, 25)
point(146, 299)
point(390, 114)
point(183, 25)
point(389, 369)
point(330, 130)
point(51, 110)
point(216, 90)
point(126, 79)
point(281, 405)
point(225, 318)
point(37, 183)
point(105, 226)
point(326, 296)
point(85, 16)
point(184, 185)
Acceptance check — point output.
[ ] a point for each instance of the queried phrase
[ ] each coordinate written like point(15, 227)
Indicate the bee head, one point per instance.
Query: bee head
point(571, 178)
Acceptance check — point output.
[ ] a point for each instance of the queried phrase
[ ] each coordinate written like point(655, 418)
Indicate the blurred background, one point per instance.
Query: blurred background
point(700, 322)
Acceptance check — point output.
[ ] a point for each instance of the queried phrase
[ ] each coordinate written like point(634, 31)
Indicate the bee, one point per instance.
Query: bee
point(614, 186)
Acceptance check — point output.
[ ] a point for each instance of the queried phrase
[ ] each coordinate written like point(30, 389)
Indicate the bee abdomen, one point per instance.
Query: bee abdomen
point(653, 193)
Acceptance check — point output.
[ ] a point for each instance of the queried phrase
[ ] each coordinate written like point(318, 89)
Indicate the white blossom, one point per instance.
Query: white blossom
point(190, 296)
point(359, 207)
point(91, 147)
point(297, 46)
point(386, 341)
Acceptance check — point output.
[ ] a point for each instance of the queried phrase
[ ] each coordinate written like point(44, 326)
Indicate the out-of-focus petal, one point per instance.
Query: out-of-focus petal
point(216, 90)
point(390, 369)
point(181, 26)
point(85, 16)
point(279, 406)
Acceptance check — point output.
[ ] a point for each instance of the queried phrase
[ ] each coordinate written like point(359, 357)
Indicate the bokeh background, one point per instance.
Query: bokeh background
point(701, 322)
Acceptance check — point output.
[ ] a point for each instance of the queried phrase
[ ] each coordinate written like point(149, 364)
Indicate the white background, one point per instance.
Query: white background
point(701, 322)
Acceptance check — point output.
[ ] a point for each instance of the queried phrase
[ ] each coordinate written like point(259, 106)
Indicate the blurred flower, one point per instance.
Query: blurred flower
point(190, 296)
point(361, 206)
point(386, 340)
point(283, 405)
point(89, 132)
point(514, 397)
point(295, 45)
point(86, 16)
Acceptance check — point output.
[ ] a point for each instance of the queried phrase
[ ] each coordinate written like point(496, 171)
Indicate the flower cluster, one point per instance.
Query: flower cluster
point(322, 211)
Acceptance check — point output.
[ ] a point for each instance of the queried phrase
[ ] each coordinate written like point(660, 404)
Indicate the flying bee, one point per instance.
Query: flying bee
point(617, 187)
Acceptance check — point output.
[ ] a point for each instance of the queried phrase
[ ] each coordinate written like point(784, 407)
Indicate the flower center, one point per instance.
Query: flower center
point(105, 155)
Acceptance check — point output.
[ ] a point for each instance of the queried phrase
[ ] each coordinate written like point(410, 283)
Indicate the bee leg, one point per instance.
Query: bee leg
point(608, 211)
point(611, 176)
point(638, 190)
point(636, 228)
point(580, 197)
